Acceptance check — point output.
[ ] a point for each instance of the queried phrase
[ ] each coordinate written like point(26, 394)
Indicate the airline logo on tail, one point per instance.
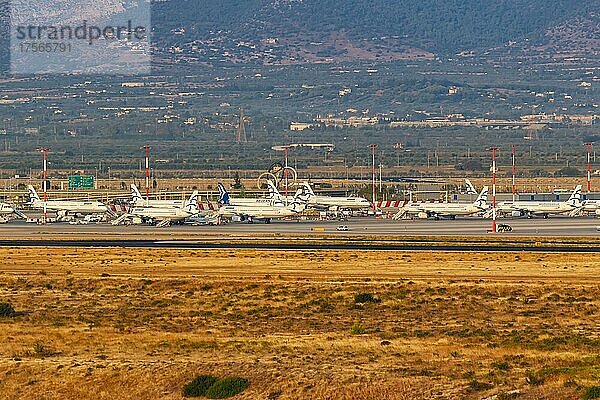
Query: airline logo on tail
point(300, 201)
point(191, 204)
point(33, 196)
point(470, 187)
point(273, 192)
point(308, 189)
point(575, 199)
point(135, 194)
point(223, 195)
point(481, 201)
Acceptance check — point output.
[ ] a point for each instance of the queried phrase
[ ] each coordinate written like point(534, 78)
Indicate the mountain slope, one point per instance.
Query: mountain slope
point(321, 30)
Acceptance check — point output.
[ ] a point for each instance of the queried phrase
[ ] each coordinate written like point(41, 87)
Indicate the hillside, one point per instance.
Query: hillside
point(288, 31)
point(316, 31)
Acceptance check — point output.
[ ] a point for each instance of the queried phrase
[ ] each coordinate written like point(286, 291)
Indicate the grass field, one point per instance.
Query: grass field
point(139, 324)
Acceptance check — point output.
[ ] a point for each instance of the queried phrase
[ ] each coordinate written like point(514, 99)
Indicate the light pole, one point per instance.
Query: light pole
point(381, 178)
point(589, 167)
point(373, 146)
point(398, 146)
point(286, 152)
point(494, 227)
point(147, 149)
point(514, 172)
point(44, 151)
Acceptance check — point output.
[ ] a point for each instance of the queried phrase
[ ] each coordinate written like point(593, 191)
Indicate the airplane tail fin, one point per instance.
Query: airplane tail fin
point(135, 194)
point(191, 204)
point(470, 187)
point(481, 201)
point(300, 200)
point(223, 195)
point(575, 199)
point(309, 190)
point(273, 192)
point(33, 196)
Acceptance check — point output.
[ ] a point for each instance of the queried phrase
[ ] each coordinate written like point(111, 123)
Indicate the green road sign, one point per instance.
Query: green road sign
point(81, 182)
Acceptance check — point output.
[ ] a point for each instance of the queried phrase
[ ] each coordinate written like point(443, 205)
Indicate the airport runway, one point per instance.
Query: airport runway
point(290, 245)
point(557, 226)
point(573, 235)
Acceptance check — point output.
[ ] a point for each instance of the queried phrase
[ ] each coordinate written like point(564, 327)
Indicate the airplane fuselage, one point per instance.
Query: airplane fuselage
point(74, 207)
point(256, 212)
point(441, 209)
point(254, 202)
point(171, 213)
point(449, 209)
point(535, 207)
point(6, 209)
point(158, 203)
point(343, 203)
point(591, 205)
point(340, 203)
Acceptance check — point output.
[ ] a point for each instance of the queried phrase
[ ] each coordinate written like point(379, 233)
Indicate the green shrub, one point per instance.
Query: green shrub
point(593, 392)
point(357, 329)
point(501, 365)
point(509, 395)
point(7, 310)
point(362, 298)
point(41, 350)
point(534, 378)
point(227, 387)
point(478, 386)
point(198, 386)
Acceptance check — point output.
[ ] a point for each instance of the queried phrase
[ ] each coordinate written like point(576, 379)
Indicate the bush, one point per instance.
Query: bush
point(478, 386)
point(534, 378)
point(501, 365)
point(7, 310)
point(357, 329)
point(41, 350)
point(227, 387)
point(362, 298)
point(198, 386)
point(593, 392)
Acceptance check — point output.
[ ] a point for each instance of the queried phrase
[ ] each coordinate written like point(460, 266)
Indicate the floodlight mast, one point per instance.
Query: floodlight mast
point(44, 151)
point(373, 146)
point(494, 215)
point(147, 150)
point(589, 166)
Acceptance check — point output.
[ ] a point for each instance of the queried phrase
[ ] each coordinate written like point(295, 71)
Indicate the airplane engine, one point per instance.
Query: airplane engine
point(422, 215)
point(516, 214)
point(598, 213)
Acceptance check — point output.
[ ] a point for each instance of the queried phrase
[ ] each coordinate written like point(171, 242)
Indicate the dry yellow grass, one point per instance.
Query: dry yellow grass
point(139, 324)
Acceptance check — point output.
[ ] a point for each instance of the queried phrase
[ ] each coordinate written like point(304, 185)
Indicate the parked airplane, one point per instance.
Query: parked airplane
point(332, 203)
point(445, 210)
point(138, 200)
point(261, 212)
point(7, 209)
point(272, 200)
point(329, 203)
point(66, 207)
point(591, 207)
point(573, 206)
point(162, 215)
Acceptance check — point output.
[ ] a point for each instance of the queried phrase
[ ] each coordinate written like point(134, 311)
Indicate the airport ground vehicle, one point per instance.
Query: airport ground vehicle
point(504, 228)
point(342, 228)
